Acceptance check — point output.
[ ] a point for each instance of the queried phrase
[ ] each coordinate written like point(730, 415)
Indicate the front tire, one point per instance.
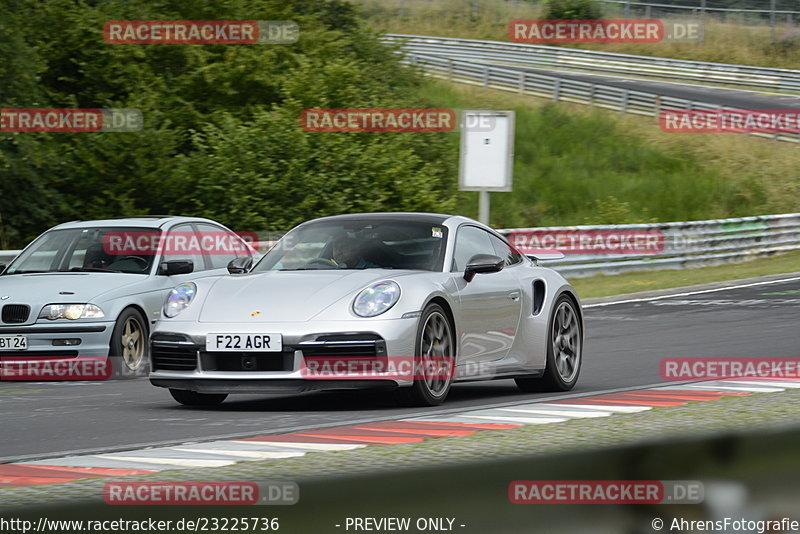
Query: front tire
point(434, 360)
point(192, 398)
point(564, 351)
point(129, 351)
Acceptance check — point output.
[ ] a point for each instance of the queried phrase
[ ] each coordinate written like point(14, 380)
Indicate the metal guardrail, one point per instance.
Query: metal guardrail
point(700, 8)
point(685, 244)
point(563, 89)
point(552, 57)
point(7, 255)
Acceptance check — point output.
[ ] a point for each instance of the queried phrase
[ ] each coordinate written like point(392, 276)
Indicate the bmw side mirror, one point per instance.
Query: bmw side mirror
point(482, 263)
point(168, 268)
point(240, 265)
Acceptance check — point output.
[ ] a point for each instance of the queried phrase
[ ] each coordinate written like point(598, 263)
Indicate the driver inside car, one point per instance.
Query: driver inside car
point(346, 254)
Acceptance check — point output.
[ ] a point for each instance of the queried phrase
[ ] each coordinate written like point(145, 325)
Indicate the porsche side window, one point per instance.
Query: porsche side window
point(470, 240)
point(505, 251)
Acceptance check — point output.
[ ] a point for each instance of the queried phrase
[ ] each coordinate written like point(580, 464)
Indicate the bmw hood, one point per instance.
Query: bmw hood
point(283, 295)
point(62, 287)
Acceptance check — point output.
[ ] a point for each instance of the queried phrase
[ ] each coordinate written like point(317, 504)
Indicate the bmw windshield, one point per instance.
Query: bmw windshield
point(362, 244)
point(79, 250)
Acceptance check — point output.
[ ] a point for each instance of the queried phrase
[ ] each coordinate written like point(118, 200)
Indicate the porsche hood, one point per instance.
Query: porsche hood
point(284, 295)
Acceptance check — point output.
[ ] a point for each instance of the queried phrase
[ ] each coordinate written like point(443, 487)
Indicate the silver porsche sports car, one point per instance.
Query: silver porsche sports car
point(408, 301)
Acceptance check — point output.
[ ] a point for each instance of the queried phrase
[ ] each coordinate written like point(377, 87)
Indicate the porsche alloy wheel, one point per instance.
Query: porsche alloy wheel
point(434, 361)
point(564, 351)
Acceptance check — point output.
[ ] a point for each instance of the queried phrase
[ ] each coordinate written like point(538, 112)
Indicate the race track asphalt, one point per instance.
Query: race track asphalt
point(625, 343)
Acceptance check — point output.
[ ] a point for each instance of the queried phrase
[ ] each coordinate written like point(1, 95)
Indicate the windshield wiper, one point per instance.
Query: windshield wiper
point(29, 272)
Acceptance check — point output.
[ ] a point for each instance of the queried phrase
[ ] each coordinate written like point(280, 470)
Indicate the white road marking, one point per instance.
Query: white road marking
point(309, 446)
point(605, 407)
point(523, 420)
point(246, 454)
point(564, 413)
point(186, 462)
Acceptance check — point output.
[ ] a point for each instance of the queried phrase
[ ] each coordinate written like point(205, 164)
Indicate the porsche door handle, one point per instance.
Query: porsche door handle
point(514, 295)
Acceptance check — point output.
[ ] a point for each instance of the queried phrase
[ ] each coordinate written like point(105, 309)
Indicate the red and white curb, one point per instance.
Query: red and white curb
point(348, 437)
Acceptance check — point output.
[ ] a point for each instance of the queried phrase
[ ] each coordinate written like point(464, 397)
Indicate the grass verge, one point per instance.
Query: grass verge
point(620, 284)
point(579, 165)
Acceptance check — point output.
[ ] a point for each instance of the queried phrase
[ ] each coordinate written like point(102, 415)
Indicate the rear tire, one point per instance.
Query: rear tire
point(192, 398)
point(564, 351)
point(435, 347)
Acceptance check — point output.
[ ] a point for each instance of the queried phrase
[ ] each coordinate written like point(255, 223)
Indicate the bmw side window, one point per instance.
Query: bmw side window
point(470, 240)
point(505, 251)
point(179, 247)
point(225, 245)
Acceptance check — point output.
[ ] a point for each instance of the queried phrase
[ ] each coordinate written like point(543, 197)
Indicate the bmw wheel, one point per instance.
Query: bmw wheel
point(129, 351)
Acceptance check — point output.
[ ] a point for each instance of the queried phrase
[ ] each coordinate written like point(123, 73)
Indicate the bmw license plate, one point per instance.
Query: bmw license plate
point(13, 343)
point(261, 342)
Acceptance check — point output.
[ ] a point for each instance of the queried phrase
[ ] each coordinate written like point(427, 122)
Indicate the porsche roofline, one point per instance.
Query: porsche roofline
point(444, 219)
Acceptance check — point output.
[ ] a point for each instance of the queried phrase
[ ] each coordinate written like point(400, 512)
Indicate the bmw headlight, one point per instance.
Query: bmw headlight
point(179, 299)
point(376, 299)
point(71, 311)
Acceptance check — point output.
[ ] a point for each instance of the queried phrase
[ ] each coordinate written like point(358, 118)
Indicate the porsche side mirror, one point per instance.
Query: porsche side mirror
point(240, 265)
point(482, 263)
point(168, 268)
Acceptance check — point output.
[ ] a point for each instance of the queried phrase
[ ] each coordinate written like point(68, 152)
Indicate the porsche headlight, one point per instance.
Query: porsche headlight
point(179, 299)
point(71, 311)
point(376, 299)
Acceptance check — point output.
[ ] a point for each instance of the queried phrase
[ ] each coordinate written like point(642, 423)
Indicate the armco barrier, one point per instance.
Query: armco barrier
point(685, 244)
point(516, 79)
point(7, 255)
point(682, 245)
point(558, 58)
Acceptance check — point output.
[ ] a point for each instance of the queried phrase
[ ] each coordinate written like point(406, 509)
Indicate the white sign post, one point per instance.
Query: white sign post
point(487, 155)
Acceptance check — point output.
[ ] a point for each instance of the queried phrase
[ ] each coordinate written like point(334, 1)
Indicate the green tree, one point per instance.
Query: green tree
point(221, 135)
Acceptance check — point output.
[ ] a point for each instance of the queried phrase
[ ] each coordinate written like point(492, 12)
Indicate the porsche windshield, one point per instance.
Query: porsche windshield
point(370, 244)
point(80, 250)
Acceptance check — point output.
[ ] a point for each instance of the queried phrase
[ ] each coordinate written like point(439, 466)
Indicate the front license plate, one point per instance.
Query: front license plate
point(261, 342)
point(13, 343)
